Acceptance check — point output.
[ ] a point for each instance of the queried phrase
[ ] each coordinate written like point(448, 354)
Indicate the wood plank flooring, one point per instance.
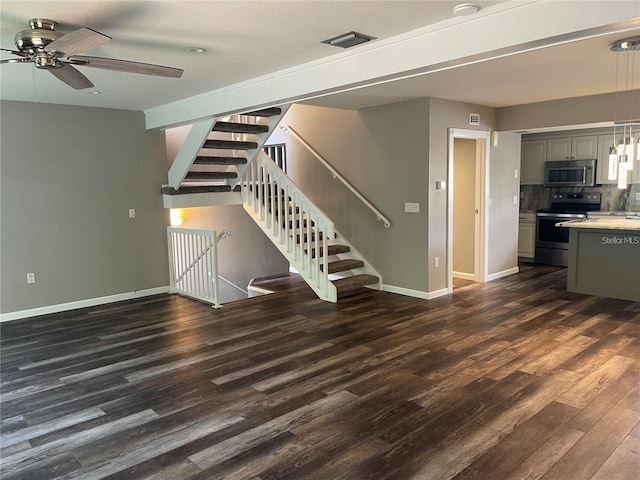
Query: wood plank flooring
point(514, 379)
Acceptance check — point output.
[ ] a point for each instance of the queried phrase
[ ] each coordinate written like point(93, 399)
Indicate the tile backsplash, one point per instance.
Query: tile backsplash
point(536, 197)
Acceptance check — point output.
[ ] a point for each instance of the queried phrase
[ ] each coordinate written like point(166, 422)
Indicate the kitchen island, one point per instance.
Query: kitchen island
point(604, 257)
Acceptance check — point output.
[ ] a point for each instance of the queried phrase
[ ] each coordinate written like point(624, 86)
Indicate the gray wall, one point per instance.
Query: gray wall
point(443, 115)
point(383, 152)
point(247, 254)
point(569, 112)
point(502, 236)
point(394, 154)
point(68, 177)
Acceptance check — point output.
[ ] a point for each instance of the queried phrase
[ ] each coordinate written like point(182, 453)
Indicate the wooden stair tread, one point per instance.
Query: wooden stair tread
point(265, 112)
point(210, 175)
point(355, 282)
point(202, 160)
point(229, 144)
point(343, 265)
point(166, 190)
point(331, 250)
point(234, 127)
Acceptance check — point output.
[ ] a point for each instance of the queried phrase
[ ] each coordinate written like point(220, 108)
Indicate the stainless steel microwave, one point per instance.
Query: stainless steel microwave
point(570, 173)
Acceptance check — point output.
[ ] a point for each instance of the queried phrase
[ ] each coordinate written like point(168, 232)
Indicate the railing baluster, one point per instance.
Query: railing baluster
point(279, 200)
point(193, 261)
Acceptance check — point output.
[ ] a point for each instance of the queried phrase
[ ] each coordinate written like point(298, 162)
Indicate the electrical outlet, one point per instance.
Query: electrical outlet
point(436, 262)
point(132, 213)
point(31, 278)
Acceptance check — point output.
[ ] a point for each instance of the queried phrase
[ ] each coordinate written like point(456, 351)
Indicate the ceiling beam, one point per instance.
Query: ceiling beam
point(504, 29)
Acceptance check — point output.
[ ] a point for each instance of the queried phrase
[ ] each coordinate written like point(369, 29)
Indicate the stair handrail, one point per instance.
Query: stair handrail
point(380, 217)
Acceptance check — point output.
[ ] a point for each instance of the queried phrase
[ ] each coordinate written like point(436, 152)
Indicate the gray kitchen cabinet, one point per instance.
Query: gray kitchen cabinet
point(527, 236)
point(572, 148)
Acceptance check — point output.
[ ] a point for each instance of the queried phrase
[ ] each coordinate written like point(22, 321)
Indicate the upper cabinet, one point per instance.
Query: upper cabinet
point(572, 148)
point(534, 154)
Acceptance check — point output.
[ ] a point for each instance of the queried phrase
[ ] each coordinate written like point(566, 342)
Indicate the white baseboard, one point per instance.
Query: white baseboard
point(90, 302)
point(415, 293)
point(464, 276)
point(503, 273)
point(438, 293)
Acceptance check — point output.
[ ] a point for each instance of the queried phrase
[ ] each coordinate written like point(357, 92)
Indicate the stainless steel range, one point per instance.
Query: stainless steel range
point(552, 243)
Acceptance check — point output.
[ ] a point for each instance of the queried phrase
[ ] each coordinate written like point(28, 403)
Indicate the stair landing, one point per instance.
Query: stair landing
point(295, 283)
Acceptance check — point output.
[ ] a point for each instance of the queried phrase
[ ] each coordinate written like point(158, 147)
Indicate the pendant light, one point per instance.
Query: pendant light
point(626, 134)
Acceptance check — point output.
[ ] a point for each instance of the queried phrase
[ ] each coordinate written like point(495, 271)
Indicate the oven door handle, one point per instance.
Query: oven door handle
point(559, 215)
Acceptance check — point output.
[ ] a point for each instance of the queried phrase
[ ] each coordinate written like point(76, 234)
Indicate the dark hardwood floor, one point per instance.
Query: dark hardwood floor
point(513, 379)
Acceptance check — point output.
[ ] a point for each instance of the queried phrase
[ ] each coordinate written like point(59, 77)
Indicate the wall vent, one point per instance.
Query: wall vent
point(474, 119)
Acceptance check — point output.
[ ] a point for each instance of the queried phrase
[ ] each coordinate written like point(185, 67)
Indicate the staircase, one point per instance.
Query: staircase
point(222, 162)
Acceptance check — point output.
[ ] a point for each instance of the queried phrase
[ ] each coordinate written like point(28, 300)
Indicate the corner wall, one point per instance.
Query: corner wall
point(444, 115)
point(69, 176)
point(394, 154)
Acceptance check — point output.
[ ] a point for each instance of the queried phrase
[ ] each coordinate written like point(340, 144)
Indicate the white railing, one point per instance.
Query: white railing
point(296, 226)
point(193, 263)
point(335, 174)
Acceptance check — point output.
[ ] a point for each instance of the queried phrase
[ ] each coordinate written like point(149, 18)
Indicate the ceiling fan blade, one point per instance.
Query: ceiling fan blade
point(15, 52)
point(15, 60)
point(78, 41)
point(127, 66)
point(71, 76)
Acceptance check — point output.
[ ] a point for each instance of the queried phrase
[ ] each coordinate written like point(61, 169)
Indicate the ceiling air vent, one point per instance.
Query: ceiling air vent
point(474, 119)
point(347, 40)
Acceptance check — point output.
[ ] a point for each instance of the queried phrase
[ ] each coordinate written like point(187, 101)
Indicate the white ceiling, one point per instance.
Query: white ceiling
point(247, 39)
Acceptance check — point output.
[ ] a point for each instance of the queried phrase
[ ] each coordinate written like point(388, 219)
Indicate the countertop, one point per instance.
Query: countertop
point(612, 214)
point(603, 223)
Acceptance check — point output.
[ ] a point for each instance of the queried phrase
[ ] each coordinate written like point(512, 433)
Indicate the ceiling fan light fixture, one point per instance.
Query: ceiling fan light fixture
point(630, 44)
point(348, 40)
point(465, 9)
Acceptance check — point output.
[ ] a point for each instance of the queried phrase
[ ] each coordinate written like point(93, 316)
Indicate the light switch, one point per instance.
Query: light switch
point(132, 213)
point(412, 207)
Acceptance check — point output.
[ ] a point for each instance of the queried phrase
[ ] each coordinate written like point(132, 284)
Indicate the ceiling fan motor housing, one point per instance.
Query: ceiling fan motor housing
point(40, 35)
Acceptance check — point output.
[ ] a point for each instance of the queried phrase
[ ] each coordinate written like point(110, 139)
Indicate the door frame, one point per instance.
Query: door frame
point(481, 251)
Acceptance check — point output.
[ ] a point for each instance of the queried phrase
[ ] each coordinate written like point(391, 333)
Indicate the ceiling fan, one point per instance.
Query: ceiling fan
point(50, 50)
